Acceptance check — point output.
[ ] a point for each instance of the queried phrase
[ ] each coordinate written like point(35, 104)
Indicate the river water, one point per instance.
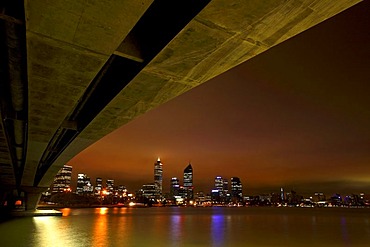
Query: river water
point(171, 226)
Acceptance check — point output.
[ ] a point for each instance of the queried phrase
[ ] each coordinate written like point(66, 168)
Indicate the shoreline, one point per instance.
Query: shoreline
point(56, 207)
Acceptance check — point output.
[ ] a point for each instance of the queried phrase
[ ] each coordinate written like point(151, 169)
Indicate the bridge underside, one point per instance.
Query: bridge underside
point(73, 71)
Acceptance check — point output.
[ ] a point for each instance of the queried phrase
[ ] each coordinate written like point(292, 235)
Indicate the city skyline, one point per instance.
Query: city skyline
point(221, 194)
point(221, 184)
point(296, 116)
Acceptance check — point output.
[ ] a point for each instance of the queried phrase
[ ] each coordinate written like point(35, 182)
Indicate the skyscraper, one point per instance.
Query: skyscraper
point(188, 181)
point(62, 180)
point(81, 177)
point(109, 186)
point(219, 184)
point(148, 191)
point(158, 176)
point(282, 194)
point(217, 192)
point(225, 187)
point(88, 187)
point(98, 186)
point(236, 189)
point(175, 186)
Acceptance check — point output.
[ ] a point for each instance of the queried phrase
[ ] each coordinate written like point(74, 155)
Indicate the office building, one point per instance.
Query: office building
point(225, 186)
point(183, 193)
point(236, 189)
point(148, 191)
point(81, 178)
point(188, 182)
point(282, 194)
point(158, 172)
point(226, 196)
point(175, 186)
point(122, 189)
point(109, 186)
point(88, 188)
point(62, 181)
point(98, 186)
point(84, 186)
point(217, 191)
point(218, 183)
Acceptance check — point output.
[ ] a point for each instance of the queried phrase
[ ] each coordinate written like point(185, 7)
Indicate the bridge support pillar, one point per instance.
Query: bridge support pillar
point(32, 197)
point(24, 203)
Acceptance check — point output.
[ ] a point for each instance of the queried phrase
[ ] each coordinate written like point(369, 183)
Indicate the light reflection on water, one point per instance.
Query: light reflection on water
point(175, 229)
point(218, 230)
point(191, 227)
point(345, 236)
point(100, 234)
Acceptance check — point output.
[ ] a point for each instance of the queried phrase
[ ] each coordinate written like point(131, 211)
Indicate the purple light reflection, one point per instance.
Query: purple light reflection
point(218, 230)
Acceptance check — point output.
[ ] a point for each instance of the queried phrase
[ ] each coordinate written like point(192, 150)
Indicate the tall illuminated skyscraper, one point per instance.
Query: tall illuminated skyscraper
point(188, 181)
point(158, 178)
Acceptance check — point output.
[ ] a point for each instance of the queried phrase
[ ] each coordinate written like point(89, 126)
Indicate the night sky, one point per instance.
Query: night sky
point(296, 116)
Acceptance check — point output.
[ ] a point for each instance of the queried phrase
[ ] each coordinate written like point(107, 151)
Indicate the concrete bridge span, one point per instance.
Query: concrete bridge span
point(72, 71)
